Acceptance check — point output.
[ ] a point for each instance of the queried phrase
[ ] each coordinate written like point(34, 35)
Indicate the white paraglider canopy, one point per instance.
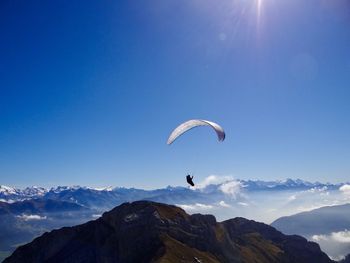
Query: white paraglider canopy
point(184, 127)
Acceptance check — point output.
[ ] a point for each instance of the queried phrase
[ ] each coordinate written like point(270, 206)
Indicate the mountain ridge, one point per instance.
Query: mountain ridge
point(145, 231)
point(11, 194)
point(328, 226)
point(318, 221)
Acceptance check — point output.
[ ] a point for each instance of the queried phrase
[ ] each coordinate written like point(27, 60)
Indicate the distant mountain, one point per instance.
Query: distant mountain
point(11, 194)
point(152, 232)
point(39, 206)
point(319, 221)
point(288, 184)
point(7, 191)
point(104, 199)
point(329, 226)
point(88, 197)
point(21, 221)
point(110, 197)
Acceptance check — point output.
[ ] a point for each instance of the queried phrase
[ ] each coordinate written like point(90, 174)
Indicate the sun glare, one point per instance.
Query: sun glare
point(258, 10)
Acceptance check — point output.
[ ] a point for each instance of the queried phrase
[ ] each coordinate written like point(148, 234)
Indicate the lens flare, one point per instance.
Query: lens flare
point(258, 10)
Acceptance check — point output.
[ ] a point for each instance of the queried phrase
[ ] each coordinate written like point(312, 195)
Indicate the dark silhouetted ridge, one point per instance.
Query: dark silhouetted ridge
point(145, 231)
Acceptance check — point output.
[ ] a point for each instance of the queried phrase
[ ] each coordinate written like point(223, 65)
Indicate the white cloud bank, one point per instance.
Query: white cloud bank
point(213, 179)
point(224, 204)
point(342, 236)
point(225, 184)
point(232, 188)
point(31, 217)
point(196, 207)
point(96, 215)
point(345, 189)
point(335, 244)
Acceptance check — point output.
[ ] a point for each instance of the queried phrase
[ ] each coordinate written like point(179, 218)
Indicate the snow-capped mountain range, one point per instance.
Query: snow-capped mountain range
point(12, 194)
point(109, 196)
point(286, 184)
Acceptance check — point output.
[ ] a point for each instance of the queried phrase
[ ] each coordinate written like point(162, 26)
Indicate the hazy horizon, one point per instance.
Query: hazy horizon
point(183, 185)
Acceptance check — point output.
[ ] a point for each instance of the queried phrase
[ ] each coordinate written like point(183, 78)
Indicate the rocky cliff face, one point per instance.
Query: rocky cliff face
point(152, 232)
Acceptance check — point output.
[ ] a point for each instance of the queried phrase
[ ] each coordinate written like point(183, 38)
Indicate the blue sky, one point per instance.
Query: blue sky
point(90, 90)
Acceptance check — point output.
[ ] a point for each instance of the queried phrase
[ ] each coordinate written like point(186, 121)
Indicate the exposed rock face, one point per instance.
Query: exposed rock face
point(152, 232)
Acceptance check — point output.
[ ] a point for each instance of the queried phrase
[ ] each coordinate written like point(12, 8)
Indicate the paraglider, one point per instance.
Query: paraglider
point(189, 180)
point(184, 127)
point(188, 125)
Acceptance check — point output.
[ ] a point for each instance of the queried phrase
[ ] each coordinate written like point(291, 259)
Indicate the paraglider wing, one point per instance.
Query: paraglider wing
point(184, 127)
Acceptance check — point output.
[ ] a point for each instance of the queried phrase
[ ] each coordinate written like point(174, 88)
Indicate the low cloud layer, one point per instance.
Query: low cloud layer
point(335, 244)
point(225, 184)
point(224, 204)
point(213, 179)
point(232, 188)
point(341, 237)
point(196, 207)
point(345, 189)
point(31, 217)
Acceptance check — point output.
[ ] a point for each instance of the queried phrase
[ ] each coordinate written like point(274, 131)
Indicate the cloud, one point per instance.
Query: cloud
point(31, 217)
point(345, 189)
point(10, 201)
point(213, 179)
point(243, 204)
point(314, 191)
point(96, 215)
point(223, 204)
point(292, 198)
point(335, 244)
point(340, 237)
point(225, 184)
point(196, 207)
point(232, 188)
point(317, 189)
point(319, 238)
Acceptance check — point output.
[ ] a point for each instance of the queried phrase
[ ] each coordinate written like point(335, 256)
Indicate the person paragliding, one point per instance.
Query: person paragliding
point(190, 124)
point(189, 180)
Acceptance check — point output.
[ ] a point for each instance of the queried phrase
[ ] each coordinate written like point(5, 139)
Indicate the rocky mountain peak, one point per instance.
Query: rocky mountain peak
point(146, 231)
